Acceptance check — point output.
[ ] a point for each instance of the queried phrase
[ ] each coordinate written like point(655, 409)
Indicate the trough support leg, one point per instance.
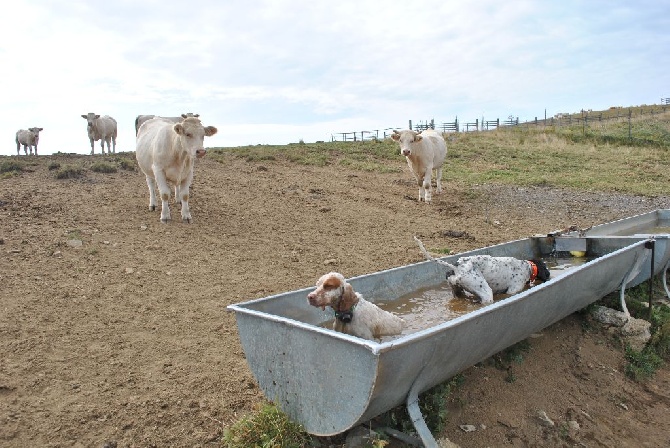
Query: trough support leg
point(624, 308)
point(665, 279)
point(418, 421)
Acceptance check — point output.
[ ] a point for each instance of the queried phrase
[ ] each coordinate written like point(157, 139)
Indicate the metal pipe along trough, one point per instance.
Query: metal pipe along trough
point(329, 382)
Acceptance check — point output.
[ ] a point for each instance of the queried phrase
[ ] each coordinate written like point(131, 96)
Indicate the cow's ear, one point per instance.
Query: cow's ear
point(418, 138)
point(178, 128)
point(184, 115)
point(41, 129)
point(84, 116)
point(395, 136)
point(210, 130)
point(97, 116)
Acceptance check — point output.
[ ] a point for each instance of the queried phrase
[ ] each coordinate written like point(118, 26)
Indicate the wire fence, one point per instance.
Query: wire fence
point(586, 119)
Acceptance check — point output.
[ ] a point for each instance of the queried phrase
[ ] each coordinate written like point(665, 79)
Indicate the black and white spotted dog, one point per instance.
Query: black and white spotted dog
point(484, 275)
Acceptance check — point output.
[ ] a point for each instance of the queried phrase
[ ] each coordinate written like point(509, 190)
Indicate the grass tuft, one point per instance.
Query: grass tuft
point(69, 172)
point(268, 427)
point(642, 365)
point(10, 168)
point(103, 167)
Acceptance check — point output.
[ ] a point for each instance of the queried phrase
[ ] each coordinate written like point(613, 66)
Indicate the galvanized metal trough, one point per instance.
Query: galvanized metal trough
point(330, 382)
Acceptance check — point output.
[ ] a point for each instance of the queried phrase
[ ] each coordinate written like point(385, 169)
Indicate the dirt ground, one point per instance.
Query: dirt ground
point(125, 340)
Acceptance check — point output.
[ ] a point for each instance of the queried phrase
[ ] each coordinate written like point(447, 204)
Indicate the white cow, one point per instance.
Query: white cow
point(142, 118)
point(29, 139)
point(425, 152)
point(166, 154)
point(103, 129)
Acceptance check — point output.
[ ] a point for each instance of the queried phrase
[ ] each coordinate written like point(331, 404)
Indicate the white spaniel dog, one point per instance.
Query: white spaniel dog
point(353, 314)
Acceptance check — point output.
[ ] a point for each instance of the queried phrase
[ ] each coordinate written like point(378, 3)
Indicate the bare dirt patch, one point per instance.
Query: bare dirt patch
point(126, 338)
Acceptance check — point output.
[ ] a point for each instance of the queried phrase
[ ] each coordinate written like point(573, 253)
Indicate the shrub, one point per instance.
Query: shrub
point(103, 167)
point(69, 172)
point(11, 166)
point(126, 164)
point(642, 365)
point(433, 406)
point(268, 427)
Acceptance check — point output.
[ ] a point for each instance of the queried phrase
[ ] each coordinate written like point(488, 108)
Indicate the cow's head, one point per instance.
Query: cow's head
point(90, 118)
point(406, 139)
point(36, 131)
point(192, 135)
point(190, 114)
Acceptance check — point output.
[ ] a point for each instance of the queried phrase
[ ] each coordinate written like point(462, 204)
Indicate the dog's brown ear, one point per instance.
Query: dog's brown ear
point(349, 298)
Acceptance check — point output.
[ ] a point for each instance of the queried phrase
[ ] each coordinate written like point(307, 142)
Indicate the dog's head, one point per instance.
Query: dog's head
point(334, 291)
point(543, 272)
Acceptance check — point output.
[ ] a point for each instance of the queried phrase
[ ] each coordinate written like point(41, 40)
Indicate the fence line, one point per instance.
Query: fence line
point(583, 117)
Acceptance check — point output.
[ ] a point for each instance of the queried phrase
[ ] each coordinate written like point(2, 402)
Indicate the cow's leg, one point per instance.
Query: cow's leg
point(184, 190)
point(102, 146)
point(92, 145)
point(152, 193)
point(35, 149)
point(438, 180)
point(18, 148)
point(114, 145)
point(428, 188)
point(164, 191)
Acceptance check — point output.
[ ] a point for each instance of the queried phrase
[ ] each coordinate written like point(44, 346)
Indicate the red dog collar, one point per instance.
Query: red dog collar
point(533, 271)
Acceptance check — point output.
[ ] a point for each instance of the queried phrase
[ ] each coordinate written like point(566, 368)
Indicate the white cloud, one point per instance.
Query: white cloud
point(268, 71)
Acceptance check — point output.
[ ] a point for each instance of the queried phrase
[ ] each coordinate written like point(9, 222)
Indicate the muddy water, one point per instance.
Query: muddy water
point(427, 307)
point(662, 227)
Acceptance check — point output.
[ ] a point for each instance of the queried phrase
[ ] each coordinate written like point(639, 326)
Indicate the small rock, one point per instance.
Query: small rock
point(545, 420)
point(635, 327)
point(609, 316)
point(330, 261)
point(130, 270)
point(444, 442)
point(58, 254)
point(360, 437)
point(105, 242)
point(573, 425)
point(143, 227)
point(624, 406)
point(75, 243)
point(468, 428)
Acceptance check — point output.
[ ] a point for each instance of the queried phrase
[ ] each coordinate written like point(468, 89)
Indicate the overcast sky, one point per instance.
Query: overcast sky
point(278, 71)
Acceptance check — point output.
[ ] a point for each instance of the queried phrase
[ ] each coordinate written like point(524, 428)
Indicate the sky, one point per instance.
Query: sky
point(281, 71)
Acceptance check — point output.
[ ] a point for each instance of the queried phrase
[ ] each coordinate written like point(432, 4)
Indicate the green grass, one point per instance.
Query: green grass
point(268, 427)
point(103, 167)
point(10, 168)
point(433, 406)
point(641, 365)
point(69, 172)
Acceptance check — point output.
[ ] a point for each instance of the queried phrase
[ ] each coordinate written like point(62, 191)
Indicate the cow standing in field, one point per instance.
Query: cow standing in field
point(425, 152)
point(142, 118)
point(29, 139)
point(103, 129)
point(166, 154)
